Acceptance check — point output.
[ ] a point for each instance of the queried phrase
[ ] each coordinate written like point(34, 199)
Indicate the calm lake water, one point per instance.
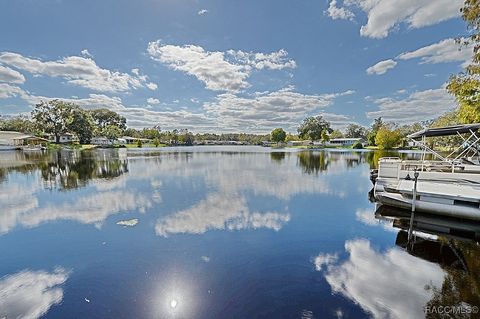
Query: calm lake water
point(218, 232)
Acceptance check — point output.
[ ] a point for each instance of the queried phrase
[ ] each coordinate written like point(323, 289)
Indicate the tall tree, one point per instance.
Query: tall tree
point(104, 117)
point(325, 137)
point(355, 131)
point(336, 134)
point(372, 134)
point(81, 124)
point(111, 132)
point(278, 135)
point(312, 127)
point(466, 85)
point(53, 117)
point(387, 138)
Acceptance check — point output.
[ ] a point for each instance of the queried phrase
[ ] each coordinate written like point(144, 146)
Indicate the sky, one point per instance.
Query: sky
point(230, 65)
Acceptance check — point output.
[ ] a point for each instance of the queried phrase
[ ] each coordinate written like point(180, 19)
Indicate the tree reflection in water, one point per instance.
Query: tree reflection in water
point(277, 156)
point(66, 170)
point(313, 162)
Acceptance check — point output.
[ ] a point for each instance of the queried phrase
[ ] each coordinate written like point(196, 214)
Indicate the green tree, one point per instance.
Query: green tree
point(372, 134)
point(18, 124)
point(356, 131)
point(278, 135)
point(291, 137)
point(104, 117)
point(185, 137)
point(447, 119)
point(312, 127)
point(387, 138)
point(81, 124)
point(132, 132)
point(111, 132)
point(336, 134)
point(53, 117)
point(151, 133)
point(466, 85)
point(325, 137)
point(156, 142)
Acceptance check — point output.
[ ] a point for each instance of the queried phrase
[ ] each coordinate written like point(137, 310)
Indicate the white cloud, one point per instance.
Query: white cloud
point(335, 12)
point(202, 12)
point(86, 53)
point(386, 15)
point(11, 76)
point(444, 51)
point(383, 284)
point(447, 50)
point(267, 110)
point(259, 113)
point(418, 106)
point(30, 294)
point(81, 71)
point(382, 67)
point(153, 101)
point(220, 71)
point(7, 91)
point(219, 211)
point(273, 61)
point(152, 86)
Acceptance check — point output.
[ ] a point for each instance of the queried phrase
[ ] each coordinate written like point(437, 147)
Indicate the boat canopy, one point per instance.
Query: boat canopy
point(445, 131)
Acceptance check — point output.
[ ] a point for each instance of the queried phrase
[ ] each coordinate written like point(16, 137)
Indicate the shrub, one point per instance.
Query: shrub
point(358, 146)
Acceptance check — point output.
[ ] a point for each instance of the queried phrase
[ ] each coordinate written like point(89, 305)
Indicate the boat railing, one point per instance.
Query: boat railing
point(432, 166)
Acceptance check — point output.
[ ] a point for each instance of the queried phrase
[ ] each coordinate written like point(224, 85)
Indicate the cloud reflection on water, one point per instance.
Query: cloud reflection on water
point(111, 183)
point(30, 294)
point(391, 284)
point(219, 212)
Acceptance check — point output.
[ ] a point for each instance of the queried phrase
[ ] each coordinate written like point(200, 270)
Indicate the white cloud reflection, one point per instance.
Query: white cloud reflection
point(219, 212)
point(30, 294)
point(21, 208)
point(391, 284)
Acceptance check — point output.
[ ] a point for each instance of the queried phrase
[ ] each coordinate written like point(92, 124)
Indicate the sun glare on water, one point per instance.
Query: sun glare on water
point(173, 303)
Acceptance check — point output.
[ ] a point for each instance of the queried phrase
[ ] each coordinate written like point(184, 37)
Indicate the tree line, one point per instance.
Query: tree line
point(57, 117)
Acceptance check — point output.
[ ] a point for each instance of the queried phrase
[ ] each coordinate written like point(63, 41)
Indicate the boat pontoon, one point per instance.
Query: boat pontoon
point(448, 185)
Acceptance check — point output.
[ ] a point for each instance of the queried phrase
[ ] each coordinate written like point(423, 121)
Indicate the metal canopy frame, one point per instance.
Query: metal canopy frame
point(471, 143)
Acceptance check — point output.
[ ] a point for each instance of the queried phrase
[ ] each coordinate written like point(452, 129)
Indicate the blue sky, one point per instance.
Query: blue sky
point(221, 65)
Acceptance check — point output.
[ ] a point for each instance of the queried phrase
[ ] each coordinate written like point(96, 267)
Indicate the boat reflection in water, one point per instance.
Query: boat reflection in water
point(453, 244)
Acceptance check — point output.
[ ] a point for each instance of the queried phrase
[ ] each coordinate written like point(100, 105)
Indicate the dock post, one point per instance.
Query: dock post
point(414, 199)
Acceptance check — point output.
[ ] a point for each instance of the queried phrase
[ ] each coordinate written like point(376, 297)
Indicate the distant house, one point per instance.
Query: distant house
point(133, 140)
point(65, 138)
point(129, 139)
point(100, 140)
point(344, 142)
point(12, 140)
point(299, 143)
point(268, 143)
point(104, 141)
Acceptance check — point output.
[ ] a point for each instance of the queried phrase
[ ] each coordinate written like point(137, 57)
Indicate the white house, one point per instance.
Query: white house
point(103, 141)
point(344, 142)
point(100, 140)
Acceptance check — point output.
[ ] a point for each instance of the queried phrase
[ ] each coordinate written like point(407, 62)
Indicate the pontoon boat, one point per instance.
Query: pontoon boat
point(448, 185)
